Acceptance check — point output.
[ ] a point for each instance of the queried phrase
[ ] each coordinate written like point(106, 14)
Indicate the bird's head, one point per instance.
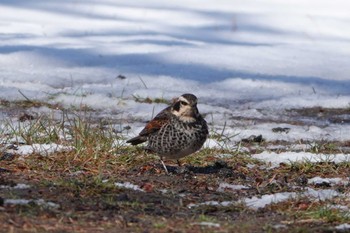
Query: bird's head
point(185, 107)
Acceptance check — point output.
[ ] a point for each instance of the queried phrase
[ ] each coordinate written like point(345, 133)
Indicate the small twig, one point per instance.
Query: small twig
point(313, 89)
point(144, 84)
point(25, 96)
point(272, 179)
point(153, 111)
point(223, 130)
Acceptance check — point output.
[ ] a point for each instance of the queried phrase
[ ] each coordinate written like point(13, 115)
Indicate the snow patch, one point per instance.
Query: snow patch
point(331, 181)
point(212, 143)
point(207, 224)
point(260, 202)
point(288, 157)
point(224, 186)
point(17, 186)
point(322, 194)
point(257, 202)
point(343, 227)
point(40, 202)
point(128, 185)
point(211, 203)
point(42, 149)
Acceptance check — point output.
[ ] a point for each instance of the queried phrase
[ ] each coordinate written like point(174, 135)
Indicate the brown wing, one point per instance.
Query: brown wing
point(151, 127)
point(156, 123)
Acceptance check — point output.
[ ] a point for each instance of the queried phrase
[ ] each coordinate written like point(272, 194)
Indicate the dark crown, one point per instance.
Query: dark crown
point(190, 97)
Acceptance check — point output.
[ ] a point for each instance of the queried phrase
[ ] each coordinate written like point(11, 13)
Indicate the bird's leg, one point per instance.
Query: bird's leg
point(181, 169)
point(166, 169)
point(179, 163)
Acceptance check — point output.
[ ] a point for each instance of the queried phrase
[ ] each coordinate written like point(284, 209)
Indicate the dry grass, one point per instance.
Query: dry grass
point(82, 183)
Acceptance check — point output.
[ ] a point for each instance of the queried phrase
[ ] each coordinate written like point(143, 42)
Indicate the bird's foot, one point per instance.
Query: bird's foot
point(165, 168)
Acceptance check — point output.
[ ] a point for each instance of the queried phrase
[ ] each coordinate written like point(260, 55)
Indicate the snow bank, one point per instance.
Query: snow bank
point(289, 157)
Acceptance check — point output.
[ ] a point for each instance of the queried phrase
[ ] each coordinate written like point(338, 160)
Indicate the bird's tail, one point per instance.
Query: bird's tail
point(137, 140)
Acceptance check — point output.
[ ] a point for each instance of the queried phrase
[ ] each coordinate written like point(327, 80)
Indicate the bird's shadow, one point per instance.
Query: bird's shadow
point(219, 167)
point(4, 170)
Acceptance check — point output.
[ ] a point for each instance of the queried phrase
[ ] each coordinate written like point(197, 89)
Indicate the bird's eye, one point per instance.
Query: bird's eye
point(183, 103)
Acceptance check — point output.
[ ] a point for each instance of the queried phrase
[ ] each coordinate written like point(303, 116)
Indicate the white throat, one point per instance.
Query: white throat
point(187, 119)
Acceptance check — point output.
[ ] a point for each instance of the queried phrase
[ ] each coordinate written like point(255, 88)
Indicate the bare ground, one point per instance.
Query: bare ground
point(79, 191)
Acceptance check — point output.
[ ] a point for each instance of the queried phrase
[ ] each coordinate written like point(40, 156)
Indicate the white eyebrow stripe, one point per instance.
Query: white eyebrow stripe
point(183, 99)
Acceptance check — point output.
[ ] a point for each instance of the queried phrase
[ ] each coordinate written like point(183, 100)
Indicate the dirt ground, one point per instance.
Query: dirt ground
point(127, 190)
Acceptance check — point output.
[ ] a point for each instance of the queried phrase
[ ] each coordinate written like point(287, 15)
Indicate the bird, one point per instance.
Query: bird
point(175, 132)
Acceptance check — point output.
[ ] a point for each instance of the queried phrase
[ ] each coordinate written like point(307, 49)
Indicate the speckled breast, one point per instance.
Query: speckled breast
point(178, 139)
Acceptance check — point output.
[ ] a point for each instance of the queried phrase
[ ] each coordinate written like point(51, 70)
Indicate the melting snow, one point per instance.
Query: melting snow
point(40, 202)
point(224, 186)
point(288, 157)
point(42, 149)
point(212, 143)
point(343, 227)
point(244, 59)
point(128, 185)
point(321, 194)
point(257, 202)
point(340, 207)
point(17, 186)
point(331, 181)
point(207, 224)
point(213, 203)
point(260, 202)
